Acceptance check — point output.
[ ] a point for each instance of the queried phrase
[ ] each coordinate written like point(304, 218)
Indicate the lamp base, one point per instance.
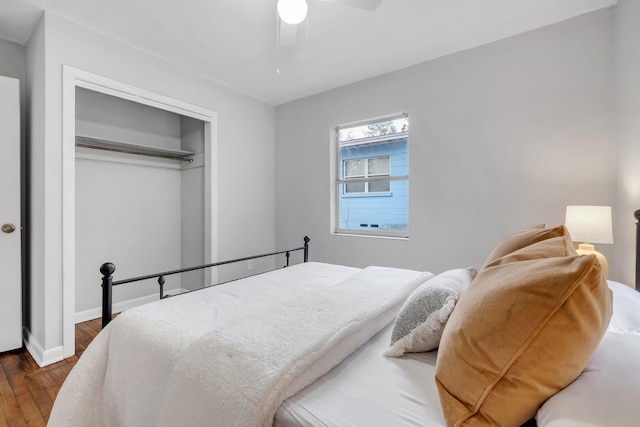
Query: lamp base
point(588, 249)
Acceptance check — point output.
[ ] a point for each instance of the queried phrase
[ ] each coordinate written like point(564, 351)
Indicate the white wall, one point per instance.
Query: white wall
point(627, 65)
point(502, 137)
point(245, 205)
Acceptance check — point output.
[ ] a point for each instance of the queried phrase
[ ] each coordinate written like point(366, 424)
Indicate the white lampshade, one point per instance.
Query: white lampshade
point(589, 224)
point(292, 11)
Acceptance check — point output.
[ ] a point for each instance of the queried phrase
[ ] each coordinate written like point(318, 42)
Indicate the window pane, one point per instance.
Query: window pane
point(385, 127)
point(356, 187)
point(354, 168)
point(379, 166)
point(388, 211)
point(379, 186)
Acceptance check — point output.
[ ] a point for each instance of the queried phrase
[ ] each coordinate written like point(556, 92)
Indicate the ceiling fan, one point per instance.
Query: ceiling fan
point(292, 12)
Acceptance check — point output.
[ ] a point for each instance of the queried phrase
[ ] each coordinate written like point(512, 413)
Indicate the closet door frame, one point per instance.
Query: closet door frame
point(73, 78)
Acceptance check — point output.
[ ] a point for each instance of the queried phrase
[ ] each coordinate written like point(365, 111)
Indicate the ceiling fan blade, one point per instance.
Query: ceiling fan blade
point(359, 4)
point(287, 34)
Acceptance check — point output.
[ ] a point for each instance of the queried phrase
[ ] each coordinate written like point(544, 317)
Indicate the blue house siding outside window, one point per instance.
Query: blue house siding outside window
point(381, 205)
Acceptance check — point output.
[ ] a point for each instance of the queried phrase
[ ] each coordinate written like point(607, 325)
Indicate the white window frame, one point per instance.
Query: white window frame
point(342, 180)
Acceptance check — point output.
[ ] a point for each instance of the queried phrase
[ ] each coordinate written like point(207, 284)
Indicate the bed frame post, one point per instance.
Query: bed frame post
point(307, 239)
point(637, 215)
point(107, 270)
point(161, 284)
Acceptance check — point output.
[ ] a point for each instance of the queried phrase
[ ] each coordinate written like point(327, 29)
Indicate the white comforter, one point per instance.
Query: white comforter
point(229, 355)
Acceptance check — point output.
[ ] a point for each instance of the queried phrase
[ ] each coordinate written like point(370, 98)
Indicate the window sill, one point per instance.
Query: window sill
point(368, 233)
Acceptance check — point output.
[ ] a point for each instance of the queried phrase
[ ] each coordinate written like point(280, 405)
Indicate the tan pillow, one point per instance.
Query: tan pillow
point(523, 238)
point(552, 247)
point(522, 332)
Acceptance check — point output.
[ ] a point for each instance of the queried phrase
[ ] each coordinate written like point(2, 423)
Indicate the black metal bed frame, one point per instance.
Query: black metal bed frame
point(107, 269)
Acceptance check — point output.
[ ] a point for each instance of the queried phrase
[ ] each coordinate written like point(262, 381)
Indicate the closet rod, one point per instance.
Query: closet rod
point(141, 150)
point(122, 150)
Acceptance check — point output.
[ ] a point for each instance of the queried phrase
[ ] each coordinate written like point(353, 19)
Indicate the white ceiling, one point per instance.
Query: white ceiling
point(234, 41)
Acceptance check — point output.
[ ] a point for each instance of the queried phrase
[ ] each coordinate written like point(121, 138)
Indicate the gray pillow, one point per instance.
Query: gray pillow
point(419, 323)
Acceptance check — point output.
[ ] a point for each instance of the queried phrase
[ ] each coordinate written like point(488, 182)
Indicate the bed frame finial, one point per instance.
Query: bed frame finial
point(307, 239)
point(107, 269)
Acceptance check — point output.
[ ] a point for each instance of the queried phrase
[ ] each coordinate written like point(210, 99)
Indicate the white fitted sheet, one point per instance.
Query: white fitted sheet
point(368, 389)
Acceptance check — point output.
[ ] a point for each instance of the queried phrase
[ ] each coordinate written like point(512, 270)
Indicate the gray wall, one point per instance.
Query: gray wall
point(13, 63)
point(39, 294)
point(245, 205)
point(13, 60)
point(192, 202)
point(502, 137)
point(627, 67)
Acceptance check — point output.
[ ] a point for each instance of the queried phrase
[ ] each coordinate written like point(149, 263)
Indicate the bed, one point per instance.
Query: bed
point(319, 344)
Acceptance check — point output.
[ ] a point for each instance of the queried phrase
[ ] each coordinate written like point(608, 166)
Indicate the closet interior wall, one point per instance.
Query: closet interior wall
point(143, 213)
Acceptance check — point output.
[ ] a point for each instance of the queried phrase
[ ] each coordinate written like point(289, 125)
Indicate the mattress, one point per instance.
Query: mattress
point(368, 389)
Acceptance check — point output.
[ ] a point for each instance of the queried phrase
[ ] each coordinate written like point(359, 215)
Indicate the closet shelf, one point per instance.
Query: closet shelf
point(126, 147)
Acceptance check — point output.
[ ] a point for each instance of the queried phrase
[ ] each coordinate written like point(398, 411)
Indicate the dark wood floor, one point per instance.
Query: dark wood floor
point(27, 391)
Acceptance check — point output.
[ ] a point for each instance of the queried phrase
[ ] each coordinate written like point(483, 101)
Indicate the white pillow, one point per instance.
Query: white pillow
point(607, 391)
point(626, 309)
point(419, 323)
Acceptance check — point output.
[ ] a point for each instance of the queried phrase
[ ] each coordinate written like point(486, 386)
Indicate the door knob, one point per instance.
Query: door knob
point(8, 228)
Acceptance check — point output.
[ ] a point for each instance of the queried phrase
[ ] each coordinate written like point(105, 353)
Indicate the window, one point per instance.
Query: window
point(365, 168)
point(372, 182)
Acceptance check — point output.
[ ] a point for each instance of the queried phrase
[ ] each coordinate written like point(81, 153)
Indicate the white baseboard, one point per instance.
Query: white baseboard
point(41, 356)
point(96, 313)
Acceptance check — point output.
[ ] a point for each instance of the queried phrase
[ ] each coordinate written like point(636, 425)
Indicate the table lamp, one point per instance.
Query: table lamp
point(590, 224)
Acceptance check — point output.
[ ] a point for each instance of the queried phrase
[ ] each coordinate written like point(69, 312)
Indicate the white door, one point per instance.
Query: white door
point(10, 266)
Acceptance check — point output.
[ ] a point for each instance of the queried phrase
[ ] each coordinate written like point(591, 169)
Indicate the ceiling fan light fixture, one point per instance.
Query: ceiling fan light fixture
point(292, 11)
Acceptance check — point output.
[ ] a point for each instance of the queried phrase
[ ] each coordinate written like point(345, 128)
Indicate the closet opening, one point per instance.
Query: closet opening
point(142, 194)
